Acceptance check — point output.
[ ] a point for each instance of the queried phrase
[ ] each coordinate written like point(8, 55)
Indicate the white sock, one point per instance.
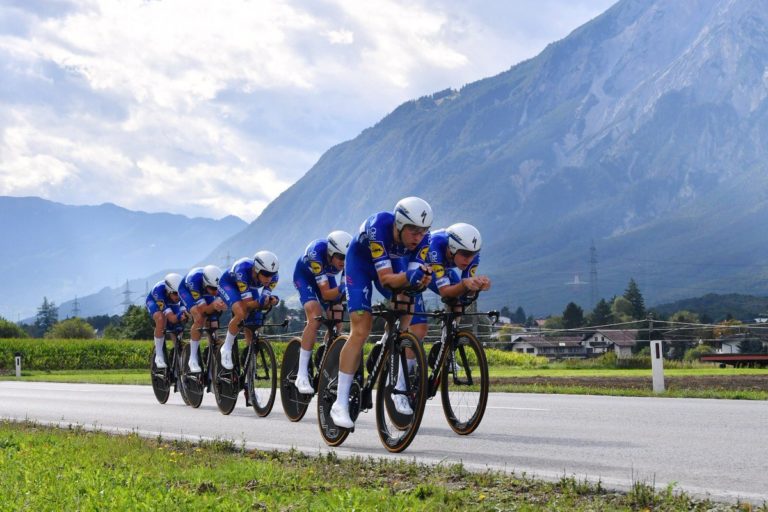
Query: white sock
point(228, 342)
point(159, 342)
point(194, 345)
point(304, 357)
point(400, 386)
point(342, 394)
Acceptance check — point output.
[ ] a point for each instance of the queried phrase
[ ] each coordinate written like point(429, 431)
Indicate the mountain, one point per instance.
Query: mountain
point(645, 131)
point(60, 251)
point(717, 307)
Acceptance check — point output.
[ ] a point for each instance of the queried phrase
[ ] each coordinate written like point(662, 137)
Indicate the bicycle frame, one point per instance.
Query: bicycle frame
point(392, 320)
point(449, 319)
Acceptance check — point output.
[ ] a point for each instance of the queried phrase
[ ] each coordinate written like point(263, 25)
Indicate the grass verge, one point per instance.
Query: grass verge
point(44, 469)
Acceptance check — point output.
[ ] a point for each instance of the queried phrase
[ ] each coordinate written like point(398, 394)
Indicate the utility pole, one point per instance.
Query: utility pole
point(127, 297)
point(76, 308)
point(593, 295)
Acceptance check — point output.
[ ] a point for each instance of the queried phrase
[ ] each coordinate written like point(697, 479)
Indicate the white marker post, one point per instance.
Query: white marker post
point(18, 365)
point(657, 366)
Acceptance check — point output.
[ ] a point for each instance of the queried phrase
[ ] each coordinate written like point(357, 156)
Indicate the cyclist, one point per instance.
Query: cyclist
point(166, 311)
point(239, 287)
point(315, 279)
point(198, 291)
point(377, 255)
point(454, 255)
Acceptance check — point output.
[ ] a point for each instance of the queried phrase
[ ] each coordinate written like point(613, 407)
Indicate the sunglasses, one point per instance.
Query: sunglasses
point(416, 230)
point(267, 274)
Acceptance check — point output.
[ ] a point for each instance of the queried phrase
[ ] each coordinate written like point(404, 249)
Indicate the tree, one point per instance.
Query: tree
point(633, 295)
point(621, 310)
point(573, 316)
point(11, 330)
point(602, 314)
point(689, 336)
point(505, 311)
point(519, 317)
point(553, 322)
point(47, 316)
point(71, 328)
point(508, 331)
point(136, 324)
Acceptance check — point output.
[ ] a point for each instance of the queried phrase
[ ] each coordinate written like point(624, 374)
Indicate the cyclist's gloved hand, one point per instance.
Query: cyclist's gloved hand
point(414, 276)
point(342, 290)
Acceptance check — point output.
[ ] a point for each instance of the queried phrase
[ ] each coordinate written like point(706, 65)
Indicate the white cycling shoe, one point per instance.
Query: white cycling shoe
point(226, 359)
point(160, 362)
point(303, 385)
point(194, 367)
point(340, 416)
point(401, 404)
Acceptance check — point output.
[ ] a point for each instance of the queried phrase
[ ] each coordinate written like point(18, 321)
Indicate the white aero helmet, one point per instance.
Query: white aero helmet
point(211, 276)
point(172, 282)
point(413, 211)
point(463, 237)
point(266, 261)
point(338, 243)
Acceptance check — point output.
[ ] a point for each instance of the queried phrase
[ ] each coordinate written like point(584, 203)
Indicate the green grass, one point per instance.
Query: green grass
point(44, 469)
point(85, 376)
point(607, 372)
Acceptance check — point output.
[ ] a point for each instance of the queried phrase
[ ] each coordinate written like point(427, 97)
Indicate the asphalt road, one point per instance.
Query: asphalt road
point(717, 448)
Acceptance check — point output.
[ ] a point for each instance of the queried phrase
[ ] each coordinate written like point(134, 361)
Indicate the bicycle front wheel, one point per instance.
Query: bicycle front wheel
point(161, 378)
point(192, 384)
point(261, 378)
point(397, 429)
point(464, 384)
point(226, 383)
point(295, 404)
point(327, 388)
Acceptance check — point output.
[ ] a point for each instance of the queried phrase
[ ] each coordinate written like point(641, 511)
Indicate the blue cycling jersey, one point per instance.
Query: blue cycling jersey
point(444, 270)
point(238, 284)
point(373, 249)
point(158, 300)
point(313, 269)
point(192, 289)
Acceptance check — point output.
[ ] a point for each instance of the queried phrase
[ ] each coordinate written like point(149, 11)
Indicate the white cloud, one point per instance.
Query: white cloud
point(205, 108)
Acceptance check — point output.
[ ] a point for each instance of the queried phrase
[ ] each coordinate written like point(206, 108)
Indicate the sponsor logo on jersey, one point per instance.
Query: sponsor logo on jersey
point(423, 253)
point(316, 267)
point(439, 271)
point(242, 286)
point(272, 285)
point(195, 295)
point(473, 270)
point(160, 305)
point(377, 250)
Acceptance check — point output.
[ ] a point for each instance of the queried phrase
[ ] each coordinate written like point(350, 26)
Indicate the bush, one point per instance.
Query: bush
point(58, 354)
point(71, 329)
point(11, 330)
point(696, 352)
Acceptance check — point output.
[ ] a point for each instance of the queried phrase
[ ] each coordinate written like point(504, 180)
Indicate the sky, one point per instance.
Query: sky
point(211, 109)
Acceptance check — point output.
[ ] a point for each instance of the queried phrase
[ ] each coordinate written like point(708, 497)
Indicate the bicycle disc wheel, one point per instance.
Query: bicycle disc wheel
point(326, 395)
point(261, 378)
point(295, 404)
point(226, 384)
point(397, 430)
point(178, 374)
point(192, 384)
point(464, 384)
point(161, 378)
